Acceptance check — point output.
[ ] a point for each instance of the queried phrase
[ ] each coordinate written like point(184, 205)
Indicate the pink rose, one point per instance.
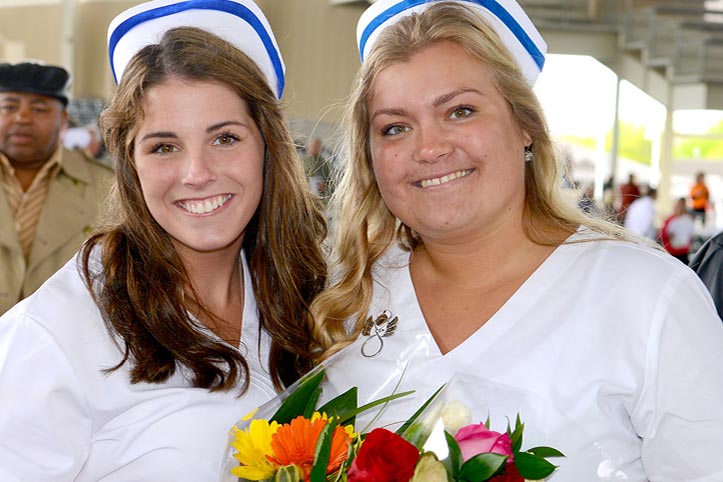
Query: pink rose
point(478, 439)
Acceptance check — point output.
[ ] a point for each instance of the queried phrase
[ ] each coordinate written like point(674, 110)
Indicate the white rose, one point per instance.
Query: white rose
point(455, 415)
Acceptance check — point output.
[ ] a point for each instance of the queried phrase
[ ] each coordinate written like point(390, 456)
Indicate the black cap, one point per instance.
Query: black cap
point(36, 79)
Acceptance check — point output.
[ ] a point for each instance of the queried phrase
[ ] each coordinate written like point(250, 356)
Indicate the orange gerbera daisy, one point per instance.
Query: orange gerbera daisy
point(294, 444)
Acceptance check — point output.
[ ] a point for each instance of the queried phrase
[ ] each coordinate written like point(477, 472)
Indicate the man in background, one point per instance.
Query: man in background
point(640, 216)
point(629, 193)
point(699, 197)
point(317, 168)
point(678, 231)
point(50, 196)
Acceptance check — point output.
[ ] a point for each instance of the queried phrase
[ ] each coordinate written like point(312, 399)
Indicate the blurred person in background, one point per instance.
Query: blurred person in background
point(677, 232)
point(51, 196)
point(640, 216)
point(317, 168)
point(699, 197)
point(629, 193)
point(707, 262)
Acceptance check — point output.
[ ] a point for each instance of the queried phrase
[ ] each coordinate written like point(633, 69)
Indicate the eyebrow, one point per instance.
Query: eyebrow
point(393, 111)
point(33, 100)
point(441, 100)
point(159, 134)
point(172, 135)
point(444, 98)
point(221, 125)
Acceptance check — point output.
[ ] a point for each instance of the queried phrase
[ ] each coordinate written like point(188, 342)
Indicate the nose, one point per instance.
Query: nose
point(431, 143)
point(198, 171)
point(23, 114)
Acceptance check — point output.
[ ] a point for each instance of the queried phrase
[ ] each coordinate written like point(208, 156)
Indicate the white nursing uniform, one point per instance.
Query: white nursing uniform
point(63, 419)
point(611, 352)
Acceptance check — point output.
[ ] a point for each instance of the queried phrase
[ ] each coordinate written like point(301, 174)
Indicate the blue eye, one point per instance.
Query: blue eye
point(394, 130)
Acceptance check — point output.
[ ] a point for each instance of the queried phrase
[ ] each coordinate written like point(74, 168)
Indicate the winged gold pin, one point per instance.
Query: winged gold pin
point(375, 329)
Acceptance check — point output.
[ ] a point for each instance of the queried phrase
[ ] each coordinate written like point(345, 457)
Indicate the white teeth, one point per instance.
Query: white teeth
point(449, 177)
point(205, 206)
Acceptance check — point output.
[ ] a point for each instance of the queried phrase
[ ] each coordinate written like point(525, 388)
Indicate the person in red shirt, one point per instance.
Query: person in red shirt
point(678, 231)
point(629, 192)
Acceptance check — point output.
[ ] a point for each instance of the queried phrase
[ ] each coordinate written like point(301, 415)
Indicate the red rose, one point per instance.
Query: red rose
point(511, 475)
point(384, 457)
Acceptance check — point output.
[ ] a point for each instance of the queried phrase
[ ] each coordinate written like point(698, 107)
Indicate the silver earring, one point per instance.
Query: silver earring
point(529, 156)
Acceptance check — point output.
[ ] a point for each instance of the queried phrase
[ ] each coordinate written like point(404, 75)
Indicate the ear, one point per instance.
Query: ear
point(527, 138)
point(63, 119)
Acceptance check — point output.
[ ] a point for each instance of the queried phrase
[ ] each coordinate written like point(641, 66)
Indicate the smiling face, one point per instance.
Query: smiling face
point(447, 153)
point(199, 157)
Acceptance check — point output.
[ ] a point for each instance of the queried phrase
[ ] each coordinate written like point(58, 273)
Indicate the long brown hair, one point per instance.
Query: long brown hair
point(143, 289)
point(366, 228)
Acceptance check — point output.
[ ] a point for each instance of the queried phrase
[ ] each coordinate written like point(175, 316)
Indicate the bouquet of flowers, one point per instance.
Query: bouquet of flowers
point(292, 440)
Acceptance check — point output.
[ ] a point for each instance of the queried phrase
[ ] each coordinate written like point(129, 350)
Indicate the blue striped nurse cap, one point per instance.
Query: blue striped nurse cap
point(239, 22)
point(508, 19)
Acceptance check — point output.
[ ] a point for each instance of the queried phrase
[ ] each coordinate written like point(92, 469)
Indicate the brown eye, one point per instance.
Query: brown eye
point(164, 149)
point(226, 139)
point(461, 113)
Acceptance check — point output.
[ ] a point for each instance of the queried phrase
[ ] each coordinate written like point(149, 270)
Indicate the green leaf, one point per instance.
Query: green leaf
point(516, 437)
point(455, 454)
point(345, 417)
point(532, 467)
point(341, 404)
point(416, 415)
point(481, 467)
point(297, 401)
point(545, 452)
point(311, 403)
point(322, 452)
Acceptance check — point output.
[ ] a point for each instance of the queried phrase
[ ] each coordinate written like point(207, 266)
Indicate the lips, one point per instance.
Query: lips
point(204, 206)
point(21, 137)
point(437, 181)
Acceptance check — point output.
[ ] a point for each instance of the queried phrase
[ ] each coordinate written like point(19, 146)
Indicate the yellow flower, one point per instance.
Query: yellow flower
point(349, 429)
point(252, 446)
point(250, 415)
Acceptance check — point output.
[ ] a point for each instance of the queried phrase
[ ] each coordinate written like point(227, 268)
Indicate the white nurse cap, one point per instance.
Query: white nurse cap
point(506, 16)
point(239, 22)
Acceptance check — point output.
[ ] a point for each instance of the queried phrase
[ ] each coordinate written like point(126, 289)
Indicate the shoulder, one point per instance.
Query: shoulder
point(626, 262)
point(82, 167)
point(710, 256)
point(64, 309)
point(62, 297)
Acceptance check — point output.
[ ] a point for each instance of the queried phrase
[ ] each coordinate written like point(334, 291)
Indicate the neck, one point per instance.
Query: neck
point(215, 277)
point(26, 175)
point(477, 262)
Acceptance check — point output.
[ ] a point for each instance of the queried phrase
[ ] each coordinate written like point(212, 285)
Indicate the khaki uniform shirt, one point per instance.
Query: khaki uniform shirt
point(71, 211)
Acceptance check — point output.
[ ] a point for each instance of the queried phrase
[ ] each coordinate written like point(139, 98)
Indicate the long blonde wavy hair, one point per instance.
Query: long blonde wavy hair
point(366, 229)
